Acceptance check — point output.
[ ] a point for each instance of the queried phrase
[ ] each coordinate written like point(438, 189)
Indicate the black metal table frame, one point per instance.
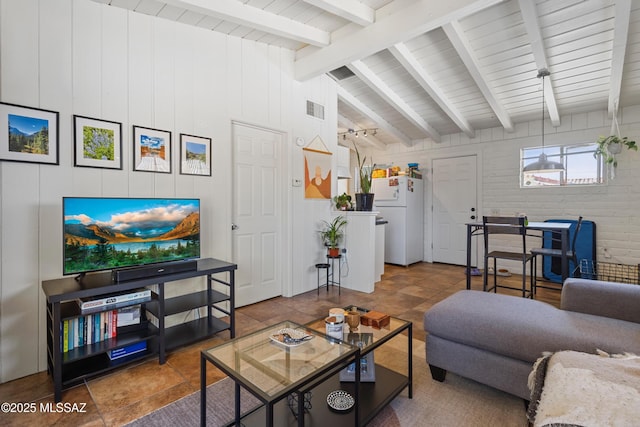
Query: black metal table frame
point(299, 388)
point(476, 228)
point(309, 383)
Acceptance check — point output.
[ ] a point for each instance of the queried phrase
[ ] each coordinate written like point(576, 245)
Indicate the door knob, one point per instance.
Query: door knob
point(473, 209)
point(234, 227)
point(473, 217)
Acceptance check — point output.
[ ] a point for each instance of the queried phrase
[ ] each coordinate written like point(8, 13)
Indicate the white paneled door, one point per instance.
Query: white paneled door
point(454, 205)
point(257, 228)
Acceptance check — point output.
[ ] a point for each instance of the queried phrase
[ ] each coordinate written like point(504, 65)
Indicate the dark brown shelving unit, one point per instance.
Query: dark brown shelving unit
point(74, 366)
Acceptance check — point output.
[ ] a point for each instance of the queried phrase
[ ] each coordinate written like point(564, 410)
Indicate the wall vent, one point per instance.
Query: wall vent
point(315, 110)
point(341, 73)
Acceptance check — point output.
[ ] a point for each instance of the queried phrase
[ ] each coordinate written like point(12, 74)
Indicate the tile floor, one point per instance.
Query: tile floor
point(129, 393)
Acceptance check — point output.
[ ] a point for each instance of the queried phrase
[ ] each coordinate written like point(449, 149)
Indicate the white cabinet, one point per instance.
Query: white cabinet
point(359, 265)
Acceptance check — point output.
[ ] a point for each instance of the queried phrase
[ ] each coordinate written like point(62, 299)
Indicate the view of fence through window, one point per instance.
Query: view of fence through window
point(581, 167)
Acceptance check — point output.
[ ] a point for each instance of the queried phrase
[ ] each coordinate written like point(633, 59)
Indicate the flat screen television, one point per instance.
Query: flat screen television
point(107, 233)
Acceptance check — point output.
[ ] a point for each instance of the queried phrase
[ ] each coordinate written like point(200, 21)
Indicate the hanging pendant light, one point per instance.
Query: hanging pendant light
point(543, 164)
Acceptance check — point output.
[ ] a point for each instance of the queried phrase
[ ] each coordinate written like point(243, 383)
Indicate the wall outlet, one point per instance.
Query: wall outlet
point(344, 250)
point(297, 182)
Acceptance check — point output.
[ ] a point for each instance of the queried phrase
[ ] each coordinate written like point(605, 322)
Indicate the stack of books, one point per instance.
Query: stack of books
point(102, 317)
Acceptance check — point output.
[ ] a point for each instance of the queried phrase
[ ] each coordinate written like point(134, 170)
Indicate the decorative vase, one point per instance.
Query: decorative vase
point(364, 201)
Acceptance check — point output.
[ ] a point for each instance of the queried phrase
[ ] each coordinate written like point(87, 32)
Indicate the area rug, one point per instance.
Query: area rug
point(456, 402)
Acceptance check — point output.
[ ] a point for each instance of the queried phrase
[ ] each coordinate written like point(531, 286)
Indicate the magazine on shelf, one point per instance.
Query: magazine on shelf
point(114, 301)
point(127, 350)
point(129, 315)
point(367, 363)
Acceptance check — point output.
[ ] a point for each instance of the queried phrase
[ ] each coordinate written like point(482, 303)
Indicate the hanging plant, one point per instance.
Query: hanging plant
point(609, 146)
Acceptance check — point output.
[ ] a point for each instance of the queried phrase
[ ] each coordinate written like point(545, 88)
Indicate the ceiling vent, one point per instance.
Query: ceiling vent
point(315, 110)
point(341, 73)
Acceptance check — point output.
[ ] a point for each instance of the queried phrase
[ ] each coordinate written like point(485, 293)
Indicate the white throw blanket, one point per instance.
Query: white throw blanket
point(571, 388)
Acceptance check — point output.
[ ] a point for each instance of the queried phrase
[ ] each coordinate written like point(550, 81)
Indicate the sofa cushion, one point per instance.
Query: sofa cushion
point(523, 329)
point(608, 299)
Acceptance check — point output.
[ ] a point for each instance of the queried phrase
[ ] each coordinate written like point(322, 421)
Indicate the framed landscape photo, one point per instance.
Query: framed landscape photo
point(151, 150)
point(98, 143)
point(195, 155)
point(29, 134)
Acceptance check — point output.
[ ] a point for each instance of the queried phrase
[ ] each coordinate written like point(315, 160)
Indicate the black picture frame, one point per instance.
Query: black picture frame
point(29, 135)
point(97, 143)
point(151, 150)
point(195, 155)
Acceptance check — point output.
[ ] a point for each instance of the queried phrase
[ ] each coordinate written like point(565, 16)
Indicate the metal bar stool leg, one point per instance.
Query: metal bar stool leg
point(339, 274)
point(327, 278)
point(318, 267)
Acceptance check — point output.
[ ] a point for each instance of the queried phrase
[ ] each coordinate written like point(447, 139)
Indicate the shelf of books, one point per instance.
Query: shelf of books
point(95, 325)
point(99, 333)
point(76, 345)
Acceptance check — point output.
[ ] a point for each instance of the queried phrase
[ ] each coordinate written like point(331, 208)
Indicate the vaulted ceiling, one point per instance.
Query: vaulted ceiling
point(415, 69)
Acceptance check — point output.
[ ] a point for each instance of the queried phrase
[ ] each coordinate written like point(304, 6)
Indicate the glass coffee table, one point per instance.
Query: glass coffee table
point(308, 374)
point(272, 369)
point(378, 385)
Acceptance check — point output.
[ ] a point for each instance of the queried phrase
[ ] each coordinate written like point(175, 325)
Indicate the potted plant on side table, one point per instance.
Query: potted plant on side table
point(364, 199)
point(342, 202)
point(332, 234)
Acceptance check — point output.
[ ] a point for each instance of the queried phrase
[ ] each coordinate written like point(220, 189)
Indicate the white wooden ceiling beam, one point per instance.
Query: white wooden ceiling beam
point(369, 139)
point(252, 17)
point(376, 84)
point(417, 71)
point(464, 50)
point(406, 23)
point(532, 24)
point(620, 36)
point(351, 10)
point(356, 104)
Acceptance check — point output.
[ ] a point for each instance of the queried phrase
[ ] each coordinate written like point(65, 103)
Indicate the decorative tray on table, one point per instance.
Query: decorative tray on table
point(289, 337)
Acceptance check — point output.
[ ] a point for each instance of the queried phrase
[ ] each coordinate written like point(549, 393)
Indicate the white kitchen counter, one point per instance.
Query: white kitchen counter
point(360, 268)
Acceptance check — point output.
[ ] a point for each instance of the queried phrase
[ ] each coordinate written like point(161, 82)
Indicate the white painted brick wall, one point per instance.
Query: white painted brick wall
point(614, 207)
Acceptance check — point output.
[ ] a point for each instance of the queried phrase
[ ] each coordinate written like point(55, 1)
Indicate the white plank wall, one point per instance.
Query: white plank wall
point(85, 58)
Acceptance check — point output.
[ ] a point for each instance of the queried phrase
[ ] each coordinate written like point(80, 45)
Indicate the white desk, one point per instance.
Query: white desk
point(475, 228)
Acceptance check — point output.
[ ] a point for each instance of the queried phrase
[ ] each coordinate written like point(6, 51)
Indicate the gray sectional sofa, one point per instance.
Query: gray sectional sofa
point(495, 339)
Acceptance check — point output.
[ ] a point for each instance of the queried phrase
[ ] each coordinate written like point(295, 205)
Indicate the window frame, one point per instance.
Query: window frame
point(563, 153)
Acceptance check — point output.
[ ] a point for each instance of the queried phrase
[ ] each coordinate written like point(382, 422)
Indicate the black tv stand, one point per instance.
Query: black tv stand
point(74, 366)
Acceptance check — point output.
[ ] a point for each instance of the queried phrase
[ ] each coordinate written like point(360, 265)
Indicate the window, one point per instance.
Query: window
point(581, 167)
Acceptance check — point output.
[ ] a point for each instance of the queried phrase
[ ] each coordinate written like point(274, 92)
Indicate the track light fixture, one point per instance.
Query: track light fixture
point(356, 133)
